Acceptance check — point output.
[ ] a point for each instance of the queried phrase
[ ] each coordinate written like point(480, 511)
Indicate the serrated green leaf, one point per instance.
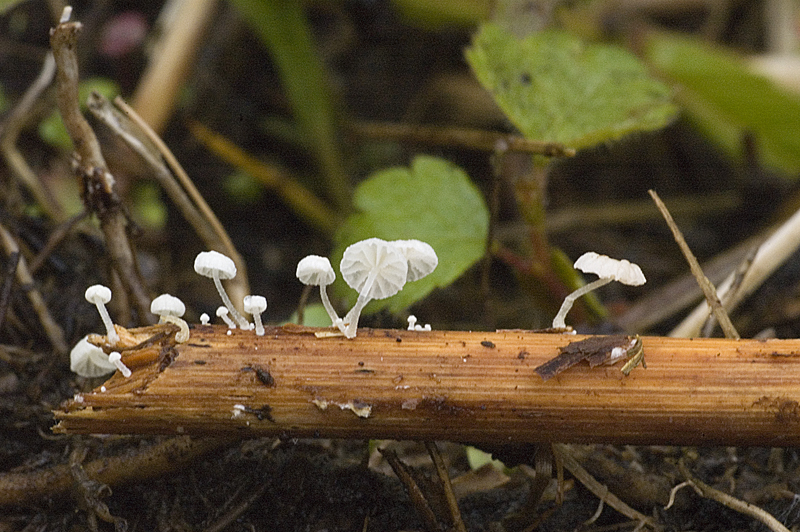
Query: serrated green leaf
point(433, 201)
point(554, 87)
point(725, 100)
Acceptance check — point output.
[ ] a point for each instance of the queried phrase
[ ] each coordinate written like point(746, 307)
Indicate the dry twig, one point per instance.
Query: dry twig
point(704, 490)
point(461, 137)
point(708, 289)
point(444, 477)
point(99, 188)
point(138, 136)
point(157, 459)
point(444, 385)
point(51, 328)
point(600, 491)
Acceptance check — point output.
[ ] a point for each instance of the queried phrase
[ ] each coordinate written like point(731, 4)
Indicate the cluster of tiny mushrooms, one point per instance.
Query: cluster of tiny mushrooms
point(375, 268)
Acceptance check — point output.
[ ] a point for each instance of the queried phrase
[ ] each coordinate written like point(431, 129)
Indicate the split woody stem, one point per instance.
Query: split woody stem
point(443, 385)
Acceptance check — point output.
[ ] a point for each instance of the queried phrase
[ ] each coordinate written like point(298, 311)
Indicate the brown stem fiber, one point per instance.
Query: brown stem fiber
point(443, 385)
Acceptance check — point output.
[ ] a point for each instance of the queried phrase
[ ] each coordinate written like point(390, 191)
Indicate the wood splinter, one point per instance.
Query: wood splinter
point(444, 385)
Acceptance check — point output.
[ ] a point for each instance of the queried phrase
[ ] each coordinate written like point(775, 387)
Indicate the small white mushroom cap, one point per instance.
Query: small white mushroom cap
point(222, 312)
point(168, 305)
point(218, 266)
point(88, 360)
point(421, 257)
point(377, 260)
point(207, 263)
point(605, 267)
point(377, 270)
point(314, 270)
point(170, 309)
point(99, 295)
point(255, 305)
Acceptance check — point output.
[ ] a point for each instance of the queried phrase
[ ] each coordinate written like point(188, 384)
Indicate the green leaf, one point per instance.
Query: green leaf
point(433, 201)
point(282, 27)
point(724, 100)
point(556, 88)
point(314, 315)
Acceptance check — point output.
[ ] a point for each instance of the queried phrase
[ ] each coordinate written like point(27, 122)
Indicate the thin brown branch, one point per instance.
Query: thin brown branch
point(157, 459)
point(169, 173)
point(304, 202)
point(709, 290)
point(444, 385)
point(12, 126)
point(171, 63)
point(731, 502)
point(474, 139)
point(99, 188)
point(51, 328)
point(447, 487)
point(599, 490)
point(414, 492)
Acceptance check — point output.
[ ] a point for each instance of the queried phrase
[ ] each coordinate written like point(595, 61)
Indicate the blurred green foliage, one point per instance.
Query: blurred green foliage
point(556, 88)
point(724, 99)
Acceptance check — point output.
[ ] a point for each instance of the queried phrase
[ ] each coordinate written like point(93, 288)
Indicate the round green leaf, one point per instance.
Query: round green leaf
point(433, 201)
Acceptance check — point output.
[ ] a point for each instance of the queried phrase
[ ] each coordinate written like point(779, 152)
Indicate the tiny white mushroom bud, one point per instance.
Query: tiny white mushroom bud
point(421, 257)
point(412, 321)
point(169, 309)
point(314, 270)
point(204, 319)
point(222, 312)
point(217, 266)
point(88, 360)
point(608, 270)
point(255, 305)
point(116, 358)
point(99, 295)
point(377, 270)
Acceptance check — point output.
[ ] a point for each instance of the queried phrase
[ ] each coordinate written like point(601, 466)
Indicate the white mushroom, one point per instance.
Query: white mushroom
point(204, 318)
point(217, 266)
point(421, 258)
point(377, 270)
point(608, 270)
point(116, 359)
point(99, 295)
point(314, 270)
point(222, 312)
point(169, 309)
point(414, 326)
point(255, 305)
point(88, 360)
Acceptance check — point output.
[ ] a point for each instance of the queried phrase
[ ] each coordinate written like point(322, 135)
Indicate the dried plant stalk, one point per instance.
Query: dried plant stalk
point(444, 385)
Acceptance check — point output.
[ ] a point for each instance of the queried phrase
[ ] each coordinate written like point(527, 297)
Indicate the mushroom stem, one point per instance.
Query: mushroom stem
point(351, 320)
point(558, 321)
point(222, 312)
point(111, 332)
point(323, 294)
point(182, 335)
point(116, 358)
point(243, 323)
